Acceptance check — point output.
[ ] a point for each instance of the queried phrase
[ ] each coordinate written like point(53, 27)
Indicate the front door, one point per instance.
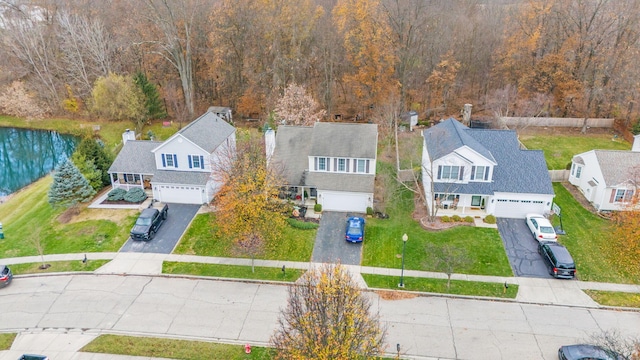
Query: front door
point(476, 201)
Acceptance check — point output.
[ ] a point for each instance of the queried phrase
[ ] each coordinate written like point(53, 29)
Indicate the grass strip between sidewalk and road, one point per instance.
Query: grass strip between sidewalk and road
point(615, 298)
point(56, 266)
point(6, 340)
point(458, 287)
point(172, 348)
point(231, 271)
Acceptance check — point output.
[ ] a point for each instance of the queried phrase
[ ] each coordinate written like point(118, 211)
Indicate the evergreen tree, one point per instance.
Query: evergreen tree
point(90, 150)
point(154, 106)
point(69, 186)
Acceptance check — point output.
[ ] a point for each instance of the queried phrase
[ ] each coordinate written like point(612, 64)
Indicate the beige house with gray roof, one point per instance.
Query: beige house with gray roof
point(609, 179)
point(331, 163)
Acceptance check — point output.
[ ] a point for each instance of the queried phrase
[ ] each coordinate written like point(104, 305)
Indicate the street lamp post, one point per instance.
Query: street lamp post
point(404, 245)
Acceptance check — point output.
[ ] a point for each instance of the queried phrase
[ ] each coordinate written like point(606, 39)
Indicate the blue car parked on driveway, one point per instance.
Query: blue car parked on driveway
point(355, 229)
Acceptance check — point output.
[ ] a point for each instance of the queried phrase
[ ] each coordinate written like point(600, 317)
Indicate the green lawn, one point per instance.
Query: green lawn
point(560, 149)
point(611, 298)
point(27, 218)
point(56, 266)
point(293, 244)
point(587, 241)
point(458, 287)
point(231, 271)
point(383, 243)
point(6, 340)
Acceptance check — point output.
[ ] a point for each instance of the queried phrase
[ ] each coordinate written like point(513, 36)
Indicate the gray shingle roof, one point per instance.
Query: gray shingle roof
point(136, 158)
point(517, 171)
point(291, 152)
point(181, 177)
point(208, 131)
point(616, 165)
point(340, 182)
point(450, 135)
point(344, 140)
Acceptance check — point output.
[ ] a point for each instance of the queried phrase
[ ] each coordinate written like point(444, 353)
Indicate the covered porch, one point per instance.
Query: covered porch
point(299, 195)
point(462, 204)
point(128, 181)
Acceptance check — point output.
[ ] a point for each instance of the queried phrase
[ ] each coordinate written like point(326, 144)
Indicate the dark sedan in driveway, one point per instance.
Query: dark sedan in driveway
point(558, 259)
point(5, 276)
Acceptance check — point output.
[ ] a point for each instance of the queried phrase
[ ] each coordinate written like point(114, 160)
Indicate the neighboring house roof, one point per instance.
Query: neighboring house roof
point(450, 135)
point(208, 131)
point(136, 157)
point(616, 165)
point(180, 177)
point(295, 144)
point(344, 140)
point(291, 152)
point(340, 182)
point(517, 171)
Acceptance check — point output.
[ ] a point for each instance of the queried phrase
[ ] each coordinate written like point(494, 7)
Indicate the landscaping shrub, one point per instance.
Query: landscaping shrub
point(445, 219)
point(135, 195)
point(369, 210)
point(116, 194)
point(456, 218)
point(302, 225)
point(468, 219)
point(317, 207)
point(490, 219)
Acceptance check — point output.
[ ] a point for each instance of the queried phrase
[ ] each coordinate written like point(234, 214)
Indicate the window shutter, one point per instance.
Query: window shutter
point(164, 163)
point(315, 163)
point(346, 169)
point(486, 173)
point(335, 164)
point(175, 160)
point(613, 195)
point(355, 165)
point(461, 173)
point(628, 195)
point(367, 167)
point(473, 173)
point(201, 162)
point(189, 157)
point(439, 171)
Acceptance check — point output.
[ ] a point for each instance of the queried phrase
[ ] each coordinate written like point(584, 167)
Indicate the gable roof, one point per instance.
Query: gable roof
point(449, 135)
point(616, 165)
point(344, 140)
point(517, 170)
point(207, 131)
point(291, 152)
point(136, 157)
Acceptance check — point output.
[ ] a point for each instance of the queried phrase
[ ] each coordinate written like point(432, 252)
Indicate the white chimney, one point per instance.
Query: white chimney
point(128, 135)
point(269, 143)
point(636, 143)
point(466, 114)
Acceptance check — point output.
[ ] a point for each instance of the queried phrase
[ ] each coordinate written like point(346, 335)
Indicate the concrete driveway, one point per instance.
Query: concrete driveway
point(179, 217)
point(330, 246)
point(522, 249)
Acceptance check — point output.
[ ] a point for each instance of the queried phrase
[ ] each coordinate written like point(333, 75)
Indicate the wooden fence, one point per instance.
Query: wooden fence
point(559, 175)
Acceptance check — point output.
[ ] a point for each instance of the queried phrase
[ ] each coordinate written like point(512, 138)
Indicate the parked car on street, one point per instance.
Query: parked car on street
point(558, 259)
point(5, 276)
point(33, 357)
point(355, 229)
point(586, 352)
point(541, 228)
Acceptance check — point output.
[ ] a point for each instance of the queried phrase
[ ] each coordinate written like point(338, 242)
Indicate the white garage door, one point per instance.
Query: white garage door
point(336, 201)
point(511, 208)
point(181, 194)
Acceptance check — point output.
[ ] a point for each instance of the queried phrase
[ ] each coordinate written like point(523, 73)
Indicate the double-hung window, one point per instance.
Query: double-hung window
point(342, 165)
point(169, 160)
point(322, 164)
point(449, 172)
point(361, 166)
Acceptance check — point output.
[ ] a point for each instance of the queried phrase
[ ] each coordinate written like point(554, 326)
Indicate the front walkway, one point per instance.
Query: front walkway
point(531, 290)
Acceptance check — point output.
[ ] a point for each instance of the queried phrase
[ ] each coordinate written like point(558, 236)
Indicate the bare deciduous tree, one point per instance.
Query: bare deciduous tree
point(296, 107)
point(446, 258)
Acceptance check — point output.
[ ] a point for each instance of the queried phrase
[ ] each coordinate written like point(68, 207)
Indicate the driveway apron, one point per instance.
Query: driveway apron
point(330, 245)
point(521, 248)
point(179, 217)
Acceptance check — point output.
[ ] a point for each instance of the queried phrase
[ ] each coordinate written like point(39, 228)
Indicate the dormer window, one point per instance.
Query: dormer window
point(169, 160)
point(480, 173)
point(449, 172)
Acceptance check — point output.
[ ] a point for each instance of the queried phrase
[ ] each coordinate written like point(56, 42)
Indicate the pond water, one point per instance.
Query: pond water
point(27, 155)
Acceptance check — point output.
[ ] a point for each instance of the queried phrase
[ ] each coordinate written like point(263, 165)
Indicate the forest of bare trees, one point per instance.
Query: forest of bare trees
point(354, 57)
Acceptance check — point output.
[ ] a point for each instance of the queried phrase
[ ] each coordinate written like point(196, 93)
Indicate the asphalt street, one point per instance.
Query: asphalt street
point(429, 326)
point(522, 248)
point(178, 219)
point(330, 245)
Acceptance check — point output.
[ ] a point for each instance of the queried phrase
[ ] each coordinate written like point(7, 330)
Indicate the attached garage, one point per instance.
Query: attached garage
point(344, 201)
point(518, 209)
point(187, 194)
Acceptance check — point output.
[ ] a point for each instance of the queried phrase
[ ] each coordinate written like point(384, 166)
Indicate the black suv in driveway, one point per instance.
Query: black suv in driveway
point(558, 259)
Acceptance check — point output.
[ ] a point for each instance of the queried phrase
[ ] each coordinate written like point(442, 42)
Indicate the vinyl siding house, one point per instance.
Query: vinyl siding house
point(609, 179)
point(177, 170)
point(332, 163)
point(482, 172)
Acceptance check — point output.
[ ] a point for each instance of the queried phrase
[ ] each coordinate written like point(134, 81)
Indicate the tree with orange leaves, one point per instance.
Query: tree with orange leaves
point(626, 233)
point(248, 209)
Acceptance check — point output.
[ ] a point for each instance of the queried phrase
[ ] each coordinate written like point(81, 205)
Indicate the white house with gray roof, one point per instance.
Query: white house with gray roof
point(609, 179)
point(333, 163)
point(177, 170)
point(480, 171)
